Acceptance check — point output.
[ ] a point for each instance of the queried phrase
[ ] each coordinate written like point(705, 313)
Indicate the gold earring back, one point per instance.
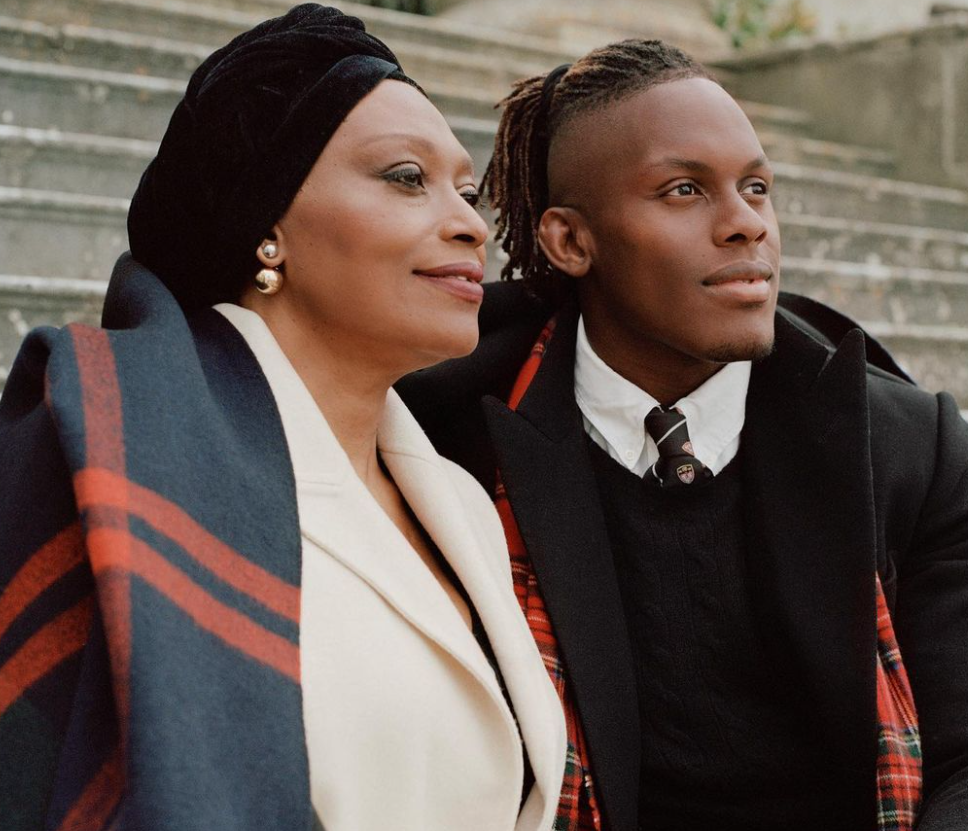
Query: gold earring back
point(269, 280)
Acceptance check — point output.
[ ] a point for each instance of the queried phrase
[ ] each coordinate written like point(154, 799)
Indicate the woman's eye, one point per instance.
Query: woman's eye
point(409, 177)
point(472, 198)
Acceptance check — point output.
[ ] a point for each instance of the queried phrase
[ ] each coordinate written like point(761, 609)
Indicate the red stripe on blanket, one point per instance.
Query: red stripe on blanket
point(231, 626)
point(104, 447)
point(46, 649)
point(44, 568)
point(99, 799)
point(97, 488)
point(101, 394)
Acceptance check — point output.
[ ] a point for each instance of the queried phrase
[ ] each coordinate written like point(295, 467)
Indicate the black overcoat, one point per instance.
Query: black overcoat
point(848, 467)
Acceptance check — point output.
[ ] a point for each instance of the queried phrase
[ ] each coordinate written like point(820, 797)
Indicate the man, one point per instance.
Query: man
point(720, 514)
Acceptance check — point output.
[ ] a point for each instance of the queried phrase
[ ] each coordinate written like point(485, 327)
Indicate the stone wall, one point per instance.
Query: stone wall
point(864, 18)
point(906, 92)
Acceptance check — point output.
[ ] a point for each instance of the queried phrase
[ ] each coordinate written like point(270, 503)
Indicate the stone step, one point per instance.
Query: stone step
point(799, 148)
point(117, 51)
point(72, 45)
point(71, 162)
point(824, 238)
point(892, 294)
point(27, 302)
point(86, 100)
point(214, 23)
point(935, 356)
point(48, 233)
point(120, 51)
point(46, 95)
point(816, 191)
point(52, 159)
point(436, 52)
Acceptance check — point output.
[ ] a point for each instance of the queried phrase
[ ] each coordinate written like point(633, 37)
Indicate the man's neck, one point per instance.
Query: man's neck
point(664, 373)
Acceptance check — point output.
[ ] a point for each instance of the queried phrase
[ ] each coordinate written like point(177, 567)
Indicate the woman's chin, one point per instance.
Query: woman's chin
point(454, 343)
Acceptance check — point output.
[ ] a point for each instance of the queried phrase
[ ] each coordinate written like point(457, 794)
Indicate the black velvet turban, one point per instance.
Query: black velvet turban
point(254, 119)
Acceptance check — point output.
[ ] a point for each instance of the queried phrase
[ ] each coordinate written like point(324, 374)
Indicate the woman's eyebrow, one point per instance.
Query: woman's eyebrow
point(464, 164)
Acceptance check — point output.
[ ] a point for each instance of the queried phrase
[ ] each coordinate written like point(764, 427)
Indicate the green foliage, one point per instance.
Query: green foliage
point(758, 23)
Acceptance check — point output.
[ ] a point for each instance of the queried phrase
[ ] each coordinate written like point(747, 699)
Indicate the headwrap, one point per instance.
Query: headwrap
point(255, 117)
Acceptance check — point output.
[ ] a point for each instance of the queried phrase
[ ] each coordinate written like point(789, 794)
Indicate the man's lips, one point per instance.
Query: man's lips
point(459, 279)
point(742, 282)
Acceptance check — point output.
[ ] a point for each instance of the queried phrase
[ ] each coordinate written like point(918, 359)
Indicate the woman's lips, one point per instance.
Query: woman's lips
point(459, 279)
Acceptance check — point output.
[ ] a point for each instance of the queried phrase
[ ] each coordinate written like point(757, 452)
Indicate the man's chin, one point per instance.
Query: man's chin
point(751, 350)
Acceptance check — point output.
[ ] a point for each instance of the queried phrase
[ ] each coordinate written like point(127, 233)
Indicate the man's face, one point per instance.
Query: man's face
point(684, 246)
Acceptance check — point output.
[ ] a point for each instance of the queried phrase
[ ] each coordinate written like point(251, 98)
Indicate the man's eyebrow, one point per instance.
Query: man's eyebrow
point(696, 166)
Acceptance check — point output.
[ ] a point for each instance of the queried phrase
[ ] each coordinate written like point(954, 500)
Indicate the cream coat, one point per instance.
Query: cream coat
point(406, 725)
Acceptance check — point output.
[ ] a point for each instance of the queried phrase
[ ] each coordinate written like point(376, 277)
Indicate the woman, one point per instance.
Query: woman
point(239, 584)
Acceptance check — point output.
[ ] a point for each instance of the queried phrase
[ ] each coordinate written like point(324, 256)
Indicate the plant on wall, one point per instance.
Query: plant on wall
point(758, 23)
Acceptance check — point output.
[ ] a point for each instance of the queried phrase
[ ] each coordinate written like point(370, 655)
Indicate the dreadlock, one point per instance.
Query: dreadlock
point(516, 180)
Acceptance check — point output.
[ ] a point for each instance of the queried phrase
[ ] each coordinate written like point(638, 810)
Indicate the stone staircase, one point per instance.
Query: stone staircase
point(87, 87)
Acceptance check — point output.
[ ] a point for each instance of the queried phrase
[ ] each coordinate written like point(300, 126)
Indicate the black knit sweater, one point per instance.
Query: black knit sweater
point(721, 748)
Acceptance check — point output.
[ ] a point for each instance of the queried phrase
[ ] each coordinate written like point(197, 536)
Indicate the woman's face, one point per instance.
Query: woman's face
point(383, 248)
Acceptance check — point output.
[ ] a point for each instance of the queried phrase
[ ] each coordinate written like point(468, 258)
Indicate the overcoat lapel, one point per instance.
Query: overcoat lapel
point(812, 541)
point(545, 468)
point(419, 473)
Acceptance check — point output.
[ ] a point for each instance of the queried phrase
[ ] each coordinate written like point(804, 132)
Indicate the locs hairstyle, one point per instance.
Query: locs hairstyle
point(515, 183)
point(255, 117)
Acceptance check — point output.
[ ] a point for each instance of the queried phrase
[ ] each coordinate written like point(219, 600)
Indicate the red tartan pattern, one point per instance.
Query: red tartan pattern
point(577, 806)
point(899, 778)
point(898, 739)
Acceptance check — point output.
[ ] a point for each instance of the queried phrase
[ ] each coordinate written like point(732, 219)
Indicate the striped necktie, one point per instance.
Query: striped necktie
point(676, 465)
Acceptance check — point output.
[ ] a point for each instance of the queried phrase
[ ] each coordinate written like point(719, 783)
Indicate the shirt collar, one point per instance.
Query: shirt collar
point(616, 408)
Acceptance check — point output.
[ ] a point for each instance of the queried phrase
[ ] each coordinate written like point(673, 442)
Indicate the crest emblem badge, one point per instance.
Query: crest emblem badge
point(687, 448)
point(686, 474)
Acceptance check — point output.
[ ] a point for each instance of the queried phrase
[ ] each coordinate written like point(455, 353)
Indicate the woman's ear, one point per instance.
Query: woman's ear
point(566, 241)
point(271, 251)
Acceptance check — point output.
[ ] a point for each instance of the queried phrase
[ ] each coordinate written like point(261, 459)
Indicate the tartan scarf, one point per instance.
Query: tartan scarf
point(898, 768)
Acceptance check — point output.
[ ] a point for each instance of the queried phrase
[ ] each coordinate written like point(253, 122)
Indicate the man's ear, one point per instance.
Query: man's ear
point(566, 241)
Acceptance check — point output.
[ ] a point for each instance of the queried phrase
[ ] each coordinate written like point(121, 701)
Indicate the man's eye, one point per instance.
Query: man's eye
point(757, 188)
point(685, 189)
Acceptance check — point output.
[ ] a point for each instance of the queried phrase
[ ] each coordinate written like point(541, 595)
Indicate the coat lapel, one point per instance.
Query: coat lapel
point(545, 468)
point(424, 480)
point(812, 539)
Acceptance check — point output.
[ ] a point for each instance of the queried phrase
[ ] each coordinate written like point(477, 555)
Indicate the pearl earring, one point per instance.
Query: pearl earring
point(270, 249)
point(268, 280)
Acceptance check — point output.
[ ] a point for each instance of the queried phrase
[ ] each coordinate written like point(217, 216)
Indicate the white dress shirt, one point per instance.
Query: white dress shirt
point(614, 410)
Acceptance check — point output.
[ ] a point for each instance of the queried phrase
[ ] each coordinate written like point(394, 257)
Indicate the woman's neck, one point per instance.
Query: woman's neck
point(349, 388)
